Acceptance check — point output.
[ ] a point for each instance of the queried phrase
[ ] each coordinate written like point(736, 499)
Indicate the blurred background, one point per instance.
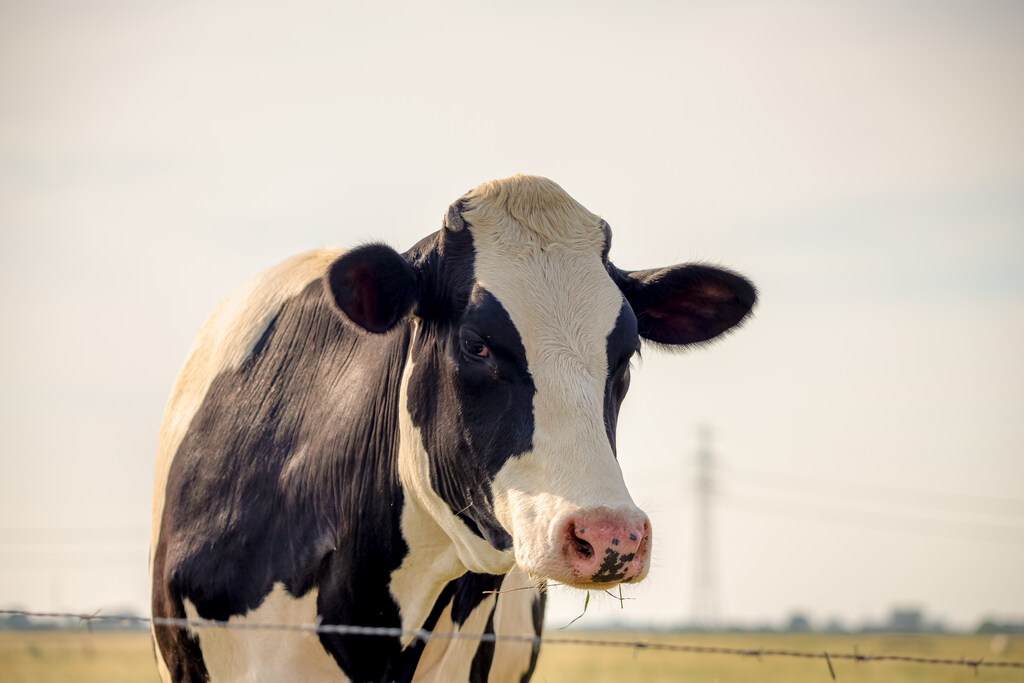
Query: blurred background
point(855, 449)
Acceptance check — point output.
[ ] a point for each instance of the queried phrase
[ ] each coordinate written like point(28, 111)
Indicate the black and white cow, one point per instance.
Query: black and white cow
point(376, 439)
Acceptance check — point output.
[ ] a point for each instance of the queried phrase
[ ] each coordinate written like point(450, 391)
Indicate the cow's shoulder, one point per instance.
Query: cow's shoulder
point(225, 340)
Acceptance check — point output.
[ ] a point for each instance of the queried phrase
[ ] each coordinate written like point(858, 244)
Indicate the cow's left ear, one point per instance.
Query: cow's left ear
point(373, 286)
point(685, 304)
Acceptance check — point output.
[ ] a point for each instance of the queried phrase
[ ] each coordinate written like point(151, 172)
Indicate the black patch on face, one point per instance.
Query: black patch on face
point(288, 474)
point(613, 567)
point(474, 413)
point(444, 262)
point(623, 341)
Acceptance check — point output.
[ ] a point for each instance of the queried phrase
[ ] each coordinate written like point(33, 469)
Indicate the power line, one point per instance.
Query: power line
point(896, 495)
point(859, 507)
point(833, 505)
point(810, 512)
point(867, 507)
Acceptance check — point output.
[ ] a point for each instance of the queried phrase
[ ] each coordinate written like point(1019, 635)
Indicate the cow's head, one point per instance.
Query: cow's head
point(520, 359)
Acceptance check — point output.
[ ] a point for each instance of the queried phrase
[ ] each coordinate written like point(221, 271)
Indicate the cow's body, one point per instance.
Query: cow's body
point(368, 439)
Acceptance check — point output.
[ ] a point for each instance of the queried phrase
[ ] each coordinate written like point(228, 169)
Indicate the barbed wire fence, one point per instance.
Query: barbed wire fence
point(976, 518)
point(425, 635)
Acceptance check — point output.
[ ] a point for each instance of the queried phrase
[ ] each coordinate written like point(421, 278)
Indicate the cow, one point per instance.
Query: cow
point(412, 440)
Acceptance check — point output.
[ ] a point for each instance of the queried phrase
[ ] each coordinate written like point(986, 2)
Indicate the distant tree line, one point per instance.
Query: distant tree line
point(20, 622)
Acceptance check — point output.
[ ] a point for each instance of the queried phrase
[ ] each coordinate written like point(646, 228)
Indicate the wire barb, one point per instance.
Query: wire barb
point(831, 671)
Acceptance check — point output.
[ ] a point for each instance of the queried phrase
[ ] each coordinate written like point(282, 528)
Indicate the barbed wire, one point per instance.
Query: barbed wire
point(425, 635)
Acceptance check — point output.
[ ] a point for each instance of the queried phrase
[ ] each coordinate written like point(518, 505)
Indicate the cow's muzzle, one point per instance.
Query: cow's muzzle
point(601, 547)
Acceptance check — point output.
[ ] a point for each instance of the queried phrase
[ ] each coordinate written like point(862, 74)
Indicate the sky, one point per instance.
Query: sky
point(861, 162)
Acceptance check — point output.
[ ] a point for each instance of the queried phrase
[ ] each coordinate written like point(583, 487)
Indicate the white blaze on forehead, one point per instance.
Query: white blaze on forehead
point(539, 253)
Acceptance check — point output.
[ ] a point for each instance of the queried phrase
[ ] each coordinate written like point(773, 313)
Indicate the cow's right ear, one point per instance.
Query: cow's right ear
point(373, 286)
point(685, 304)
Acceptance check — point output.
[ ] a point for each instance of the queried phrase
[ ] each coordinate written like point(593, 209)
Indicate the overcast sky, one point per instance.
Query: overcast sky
point(862, 162)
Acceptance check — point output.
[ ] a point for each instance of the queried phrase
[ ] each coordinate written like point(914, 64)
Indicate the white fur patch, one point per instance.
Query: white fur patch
point(539, 253)
point(257, 656)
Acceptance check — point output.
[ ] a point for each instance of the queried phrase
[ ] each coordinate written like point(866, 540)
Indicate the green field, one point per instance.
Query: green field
point(44, 657)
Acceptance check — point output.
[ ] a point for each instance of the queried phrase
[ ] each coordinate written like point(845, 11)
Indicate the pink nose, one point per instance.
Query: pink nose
point(607, 546)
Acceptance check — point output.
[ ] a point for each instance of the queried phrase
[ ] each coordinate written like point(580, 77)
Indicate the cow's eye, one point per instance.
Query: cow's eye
point(473, 345)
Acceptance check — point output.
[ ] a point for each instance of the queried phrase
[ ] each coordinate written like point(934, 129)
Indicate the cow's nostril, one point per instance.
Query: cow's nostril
point(582, 548)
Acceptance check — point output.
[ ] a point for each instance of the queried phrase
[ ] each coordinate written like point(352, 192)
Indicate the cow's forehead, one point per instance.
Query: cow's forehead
point(539, 252)
point(524, 212)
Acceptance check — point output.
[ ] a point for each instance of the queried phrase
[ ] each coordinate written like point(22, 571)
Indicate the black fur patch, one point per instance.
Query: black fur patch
point(285, 469)
point(623, 341)
point(469, 593)
point(607, 241)
point(480, 668)
point(473, 415)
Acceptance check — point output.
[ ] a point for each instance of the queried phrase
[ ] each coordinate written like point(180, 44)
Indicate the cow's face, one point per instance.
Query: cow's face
point(523, 335)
